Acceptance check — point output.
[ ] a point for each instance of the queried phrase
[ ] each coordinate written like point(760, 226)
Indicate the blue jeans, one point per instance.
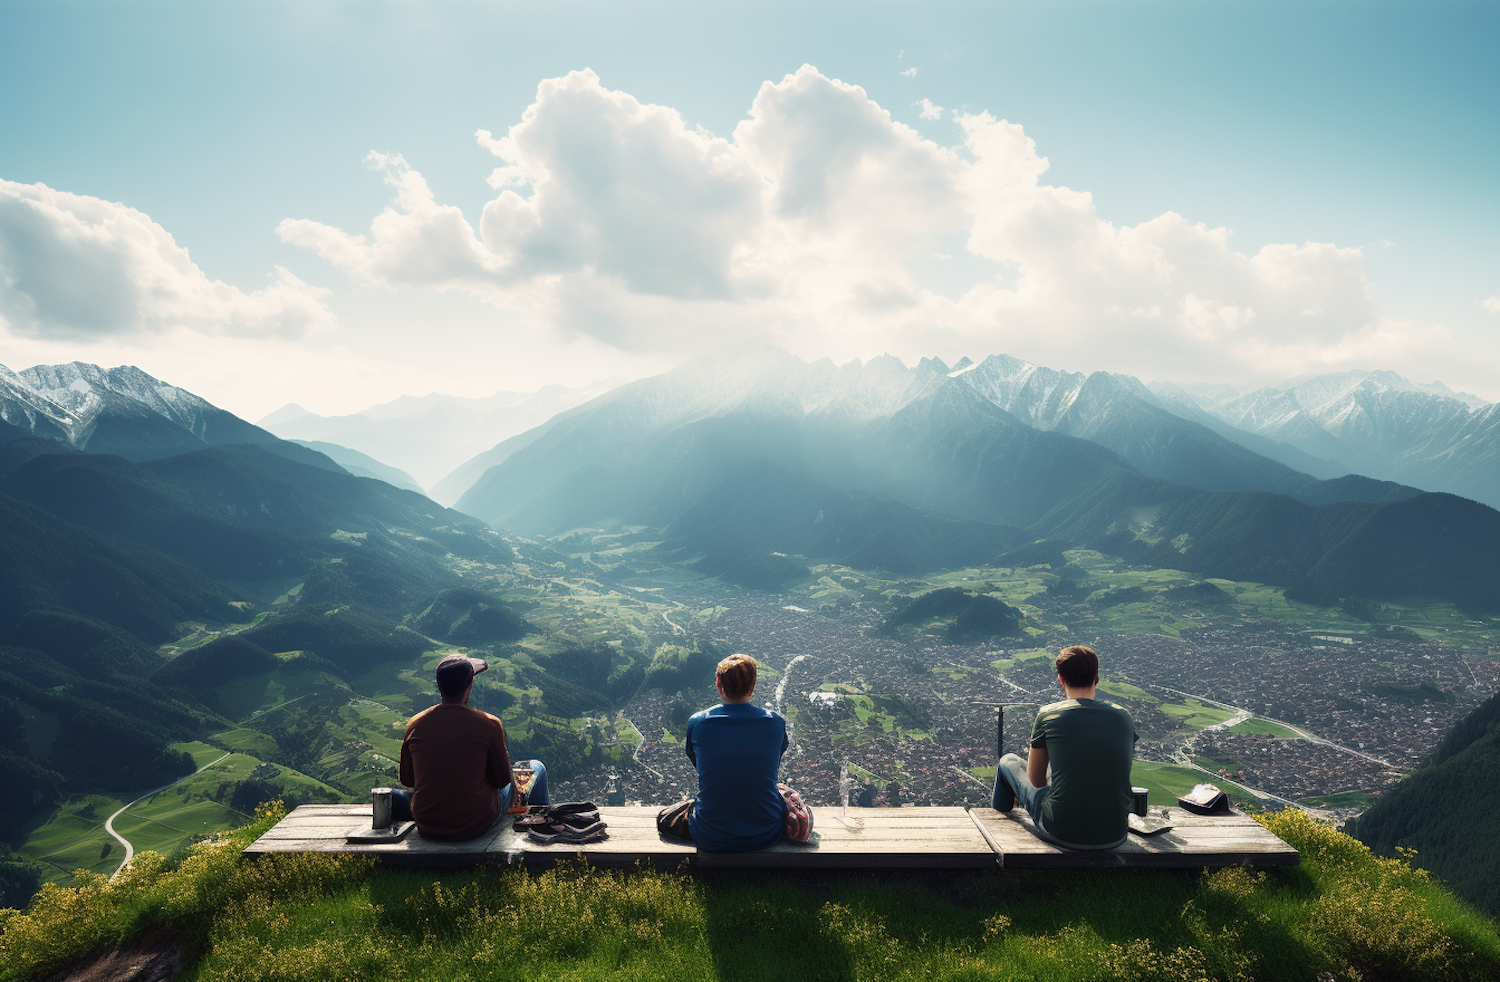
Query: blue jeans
point(1012, 785)
point(401, 797)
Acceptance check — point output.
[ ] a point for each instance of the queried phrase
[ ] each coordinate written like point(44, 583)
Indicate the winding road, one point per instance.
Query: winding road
point(786, 673)
point(109, 823)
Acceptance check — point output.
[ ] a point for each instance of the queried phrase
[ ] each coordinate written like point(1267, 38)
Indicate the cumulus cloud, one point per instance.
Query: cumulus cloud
point(816, 223)
point(74, 266)
point(910, 72)
point(1492, 304)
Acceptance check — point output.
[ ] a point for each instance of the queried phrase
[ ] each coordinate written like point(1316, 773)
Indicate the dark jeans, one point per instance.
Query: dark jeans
point(401, 797)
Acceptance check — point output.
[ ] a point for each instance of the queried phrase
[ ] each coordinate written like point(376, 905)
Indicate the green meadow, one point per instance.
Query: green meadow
point(74, 838)
point(1196, 714)
point(1345, 799)
point(1265, 727)
point(1342, 913)
point(1168, 782)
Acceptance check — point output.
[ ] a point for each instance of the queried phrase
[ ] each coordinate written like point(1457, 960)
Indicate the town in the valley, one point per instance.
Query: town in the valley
point(1279, 715)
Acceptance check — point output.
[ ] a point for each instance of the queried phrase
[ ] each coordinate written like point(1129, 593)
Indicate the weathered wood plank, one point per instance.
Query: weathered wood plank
point(1193, 842)
point(933, 838)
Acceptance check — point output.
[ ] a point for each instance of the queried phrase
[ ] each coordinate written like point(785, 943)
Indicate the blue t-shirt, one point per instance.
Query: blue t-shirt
point(737, 748)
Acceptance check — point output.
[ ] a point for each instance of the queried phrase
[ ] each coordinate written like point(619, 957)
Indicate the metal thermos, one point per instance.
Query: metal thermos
point(1138, 800)
point(380, 808)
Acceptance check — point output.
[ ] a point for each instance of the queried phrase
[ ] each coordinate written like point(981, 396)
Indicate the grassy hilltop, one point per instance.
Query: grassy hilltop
point(1343, 911)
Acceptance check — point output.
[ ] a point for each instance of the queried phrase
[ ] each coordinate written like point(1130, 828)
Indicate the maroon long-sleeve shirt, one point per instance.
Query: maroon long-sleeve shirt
point(454, 759)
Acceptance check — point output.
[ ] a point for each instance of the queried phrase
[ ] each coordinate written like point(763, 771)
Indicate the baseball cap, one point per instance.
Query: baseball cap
point(455, 672)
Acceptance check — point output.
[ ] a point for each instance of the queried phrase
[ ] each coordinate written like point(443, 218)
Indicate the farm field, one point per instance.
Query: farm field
point(1196, 714)
point(1167, 782)
point(1266, 728)
point(74, 838)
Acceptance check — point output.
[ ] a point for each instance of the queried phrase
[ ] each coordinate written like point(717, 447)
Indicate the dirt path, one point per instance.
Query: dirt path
point(109, 823)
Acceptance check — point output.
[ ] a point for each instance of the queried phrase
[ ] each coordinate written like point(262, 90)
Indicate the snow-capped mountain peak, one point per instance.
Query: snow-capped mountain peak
point(120, 410)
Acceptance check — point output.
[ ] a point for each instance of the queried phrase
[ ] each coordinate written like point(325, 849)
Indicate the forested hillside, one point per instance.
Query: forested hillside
point(133, 593)
point(1449, 811)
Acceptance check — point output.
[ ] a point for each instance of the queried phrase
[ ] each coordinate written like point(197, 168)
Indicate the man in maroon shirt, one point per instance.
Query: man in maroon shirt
point(455, 760)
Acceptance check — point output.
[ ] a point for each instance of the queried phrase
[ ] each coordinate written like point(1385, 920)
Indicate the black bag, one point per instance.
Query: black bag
point(672, 821)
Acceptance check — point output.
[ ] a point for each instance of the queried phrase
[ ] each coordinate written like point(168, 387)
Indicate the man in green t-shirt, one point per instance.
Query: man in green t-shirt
point(1088, 744)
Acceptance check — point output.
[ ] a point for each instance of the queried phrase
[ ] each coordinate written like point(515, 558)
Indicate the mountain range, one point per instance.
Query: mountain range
point(428, 436)
point(1376, 424)
point(992, 445)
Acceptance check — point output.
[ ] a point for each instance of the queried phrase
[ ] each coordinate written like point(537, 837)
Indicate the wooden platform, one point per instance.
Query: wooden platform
point(1194, 841)
point(859, 838)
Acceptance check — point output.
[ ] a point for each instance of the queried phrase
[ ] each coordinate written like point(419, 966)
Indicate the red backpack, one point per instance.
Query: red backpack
point(799, 818)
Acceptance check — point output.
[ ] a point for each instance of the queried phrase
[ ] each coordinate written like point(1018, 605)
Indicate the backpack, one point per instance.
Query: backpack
point(799, 818)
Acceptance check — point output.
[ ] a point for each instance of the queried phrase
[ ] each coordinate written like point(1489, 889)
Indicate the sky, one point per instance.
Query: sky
point(336, 204)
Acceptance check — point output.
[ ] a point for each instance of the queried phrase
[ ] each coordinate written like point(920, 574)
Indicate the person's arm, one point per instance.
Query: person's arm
point(408, 778)
point(500, 772)
point(687, 741)
point(1036, 767)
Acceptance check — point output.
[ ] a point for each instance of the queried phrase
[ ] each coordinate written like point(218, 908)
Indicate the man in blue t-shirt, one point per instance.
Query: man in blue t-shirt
point(737, 749)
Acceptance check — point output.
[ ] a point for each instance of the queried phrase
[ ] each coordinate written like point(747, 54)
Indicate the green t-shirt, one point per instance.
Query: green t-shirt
point(1090, 744)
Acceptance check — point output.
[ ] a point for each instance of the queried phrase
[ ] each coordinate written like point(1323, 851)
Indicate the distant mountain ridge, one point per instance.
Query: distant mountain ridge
point(661, 451)
point(1119, 412)
point(1377, 424)
point(428, 436)
point(363, 465)
point(122, 411)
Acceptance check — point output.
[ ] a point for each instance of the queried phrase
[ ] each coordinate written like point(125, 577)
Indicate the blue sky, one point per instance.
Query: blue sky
point(1361, 126)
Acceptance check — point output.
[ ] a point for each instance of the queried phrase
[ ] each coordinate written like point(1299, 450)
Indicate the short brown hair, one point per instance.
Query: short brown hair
point(1078, 666)
point(737, 676)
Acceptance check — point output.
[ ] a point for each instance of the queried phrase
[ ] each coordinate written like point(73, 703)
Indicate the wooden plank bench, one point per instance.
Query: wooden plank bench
point(943, 838)
point(870, 838)
point(861, 838)
point(1193, 842)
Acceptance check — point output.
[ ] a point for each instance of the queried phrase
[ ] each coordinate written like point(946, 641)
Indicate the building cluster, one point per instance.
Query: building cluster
point(916, 716)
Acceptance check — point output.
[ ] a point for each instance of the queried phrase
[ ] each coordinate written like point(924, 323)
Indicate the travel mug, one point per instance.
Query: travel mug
point(1138, 800)
point(380, 808)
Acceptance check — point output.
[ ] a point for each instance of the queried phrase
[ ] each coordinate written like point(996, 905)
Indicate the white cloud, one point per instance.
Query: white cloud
point(929, 111)
point(1492, 304)
point(910, 72)
point(814, 225)
point(74, 266)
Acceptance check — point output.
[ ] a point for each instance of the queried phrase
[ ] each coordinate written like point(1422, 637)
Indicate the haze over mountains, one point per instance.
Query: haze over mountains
point(1373, 423)
point(428, 436)
point(929, 444)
